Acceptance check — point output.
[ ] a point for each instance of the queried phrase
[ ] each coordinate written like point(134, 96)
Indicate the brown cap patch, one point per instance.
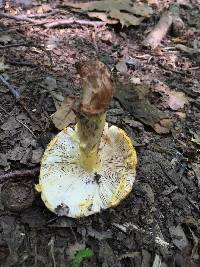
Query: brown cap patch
point(97, 86)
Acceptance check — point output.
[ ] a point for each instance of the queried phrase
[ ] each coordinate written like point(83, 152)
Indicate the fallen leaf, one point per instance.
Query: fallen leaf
point(135, 80)
point(177, 100)
point(104, 5)
point(181, 115)
point(121, 67)
point(134, 99)
point(125, 18)
point(173, 99)
point(102, 16)
point(116, 9)
point(64, 116)
point(164, 126)
point(141, 9)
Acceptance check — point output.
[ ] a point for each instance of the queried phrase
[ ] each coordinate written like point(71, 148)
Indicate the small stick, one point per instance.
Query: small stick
point(18, 173)
point(43, 15)
point(22, 18)
point(21, 63)
point(154, 38)
point(13, 45)
point(64, 22)
point(18, 18)
point(12, 88)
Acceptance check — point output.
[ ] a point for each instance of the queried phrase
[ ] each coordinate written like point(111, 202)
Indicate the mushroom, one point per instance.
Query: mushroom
point(89, 167)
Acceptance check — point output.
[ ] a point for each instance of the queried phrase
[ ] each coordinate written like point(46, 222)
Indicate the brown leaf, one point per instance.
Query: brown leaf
point(125, 18)
point(177, 100)
point(102, 16)
point(164, 126)
point(97, 86)
point(173, 99)
point(117, 9)
point(65, 116)
point(121, 67)
point(134, 99)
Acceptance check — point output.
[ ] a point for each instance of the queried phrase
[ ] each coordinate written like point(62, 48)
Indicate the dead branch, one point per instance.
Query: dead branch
point(64, 22)
point(18, 18)
point(154, 38)
point(4, 176)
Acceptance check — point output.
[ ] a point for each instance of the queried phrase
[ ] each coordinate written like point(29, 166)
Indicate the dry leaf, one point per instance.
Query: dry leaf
point(116, 9)
point(177, 100)
point(102, 16)
point(173, 99)
point(134, 98)
point(141, 9)
point(164, 126)
point(125, 18)
point(104, 5)
point(121, 67)
point(65, 116)
point(135, 80)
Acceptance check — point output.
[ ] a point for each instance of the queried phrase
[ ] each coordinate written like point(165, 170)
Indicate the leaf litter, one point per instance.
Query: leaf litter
point(65, 115)
point(112, 11)
point(138, 204)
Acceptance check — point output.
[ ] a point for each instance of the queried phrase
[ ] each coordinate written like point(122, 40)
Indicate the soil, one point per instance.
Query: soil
point(160, 220)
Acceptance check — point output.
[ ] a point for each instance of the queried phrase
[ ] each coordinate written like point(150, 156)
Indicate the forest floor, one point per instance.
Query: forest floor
point(157, 104)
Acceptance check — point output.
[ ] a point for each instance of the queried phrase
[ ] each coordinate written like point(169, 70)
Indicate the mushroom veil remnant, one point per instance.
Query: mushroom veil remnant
point(89, 167)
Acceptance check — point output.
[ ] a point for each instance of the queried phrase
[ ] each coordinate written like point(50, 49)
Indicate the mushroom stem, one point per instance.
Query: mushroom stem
point(90, 129)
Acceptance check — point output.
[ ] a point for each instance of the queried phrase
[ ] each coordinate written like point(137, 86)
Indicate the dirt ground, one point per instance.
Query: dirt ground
point(159, 223)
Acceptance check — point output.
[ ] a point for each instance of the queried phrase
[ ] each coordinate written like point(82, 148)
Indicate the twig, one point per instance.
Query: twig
point(23, 18)
point(19, 173)
point(20, 122)
point(21, 63)
point(13, 45)
point(52, 250)
point(64, 22)
point(12, 88)
point(18, 18)
point(44, 15)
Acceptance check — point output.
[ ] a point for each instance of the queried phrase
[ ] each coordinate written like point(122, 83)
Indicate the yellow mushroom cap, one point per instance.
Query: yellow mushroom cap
point(67, 189)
